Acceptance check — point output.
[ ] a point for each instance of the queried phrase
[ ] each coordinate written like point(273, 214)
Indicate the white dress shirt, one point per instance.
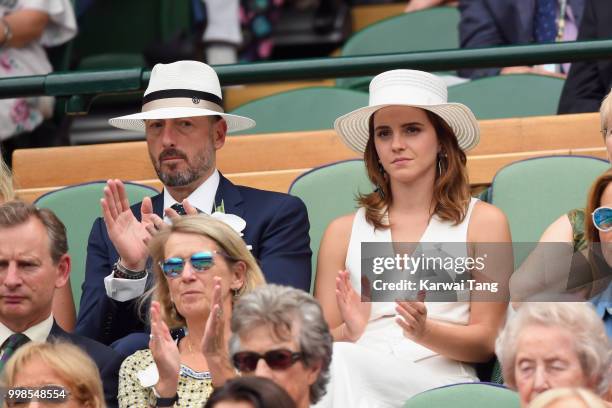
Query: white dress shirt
point(39, 332)
point(202, 198)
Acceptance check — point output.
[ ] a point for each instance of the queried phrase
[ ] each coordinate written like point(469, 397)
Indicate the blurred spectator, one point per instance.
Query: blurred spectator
point(567, 397)
point(257, 18)
point(34, 264)
point(589, 81)
point(552, 345)
point(6, 182)
point(279, 332)
point(40, 366)
point(250, 392)
point(26, 26)
point(491, 23)
point(223, 35)
point(416, 5)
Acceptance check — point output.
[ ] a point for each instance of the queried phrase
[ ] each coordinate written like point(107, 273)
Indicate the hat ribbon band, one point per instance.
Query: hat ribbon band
point(181, 103)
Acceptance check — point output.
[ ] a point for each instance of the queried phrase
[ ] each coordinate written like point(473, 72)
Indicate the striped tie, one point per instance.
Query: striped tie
point(9, 347)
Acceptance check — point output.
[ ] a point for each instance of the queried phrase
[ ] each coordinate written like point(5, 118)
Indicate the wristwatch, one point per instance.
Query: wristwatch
point(167, 402)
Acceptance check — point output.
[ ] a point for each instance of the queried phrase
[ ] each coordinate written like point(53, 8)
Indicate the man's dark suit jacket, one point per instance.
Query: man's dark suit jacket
point(491, 23)
point(107, 360)
point(276, 227)
point(589, 82)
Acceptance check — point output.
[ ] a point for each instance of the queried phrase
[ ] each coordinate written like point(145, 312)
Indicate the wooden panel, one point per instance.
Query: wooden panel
point(364, 15)
point(510, 139)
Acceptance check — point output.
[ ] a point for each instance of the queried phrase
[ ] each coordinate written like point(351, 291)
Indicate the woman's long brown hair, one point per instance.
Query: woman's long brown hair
point(451, 194)
point(594, 201)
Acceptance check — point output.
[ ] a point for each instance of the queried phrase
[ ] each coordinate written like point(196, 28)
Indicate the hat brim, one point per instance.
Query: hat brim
point(135, 122)
point(353, 127)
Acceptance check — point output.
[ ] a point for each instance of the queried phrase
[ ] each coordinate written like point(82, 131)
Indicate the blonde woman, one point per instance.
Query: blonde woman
point(202, 267)
point(568, 397)
point(58, 371)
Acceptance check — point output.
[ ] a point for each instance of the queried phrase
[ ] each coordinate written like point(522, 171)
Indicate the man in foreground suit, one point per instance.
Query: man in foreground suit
point(34, 263)
point(185, 125)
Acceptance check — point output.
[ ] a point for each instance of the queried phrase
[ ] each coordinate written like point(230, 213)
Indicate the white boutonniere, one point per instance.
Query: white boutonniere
point(237, 223)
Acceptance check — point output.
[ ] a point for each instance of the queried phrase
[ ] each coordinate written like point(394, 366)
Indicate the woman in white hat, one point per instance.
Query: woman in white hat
point(414, 145)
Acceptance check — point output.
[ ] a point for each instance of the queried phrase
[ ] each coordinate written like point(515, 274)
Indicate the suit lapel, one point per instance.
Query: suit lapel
point(230, 196)
point(158, 204)
point(56, 331)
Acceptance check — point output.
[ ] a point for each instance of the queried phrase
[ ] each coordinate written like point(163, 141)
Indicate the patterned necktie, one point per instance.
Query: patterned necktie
point(545, 24)
point(180, 210)
point(9, 347)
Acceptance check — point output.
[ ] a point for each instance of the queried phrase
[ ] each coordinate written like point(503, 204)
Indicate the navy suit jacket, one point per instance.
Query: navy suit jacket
point(107, 360)
point(491, 23)
point(588, 82)
point(276, 227)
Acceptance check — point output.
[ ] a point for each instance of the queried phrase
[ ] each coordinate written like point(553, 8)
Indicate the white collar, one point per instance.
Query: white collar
point(203, 197)
point(39, 332)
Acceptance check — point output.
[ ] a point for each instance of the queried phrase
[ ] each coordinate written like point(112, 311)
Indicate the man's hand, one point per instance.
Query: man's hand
point(129, 236)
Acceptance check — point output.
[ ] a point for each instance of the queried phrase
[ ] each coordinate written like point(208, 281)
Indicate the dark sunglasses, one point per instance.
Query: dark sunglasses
point(602, 219)
point(281, 359)
point(200, 261)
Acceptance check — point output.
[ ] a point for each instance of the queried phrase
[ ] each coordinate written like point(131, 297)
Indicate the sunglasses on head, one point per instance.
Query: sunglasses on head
point(281, 359)
point(200, 261)
point(602, 219)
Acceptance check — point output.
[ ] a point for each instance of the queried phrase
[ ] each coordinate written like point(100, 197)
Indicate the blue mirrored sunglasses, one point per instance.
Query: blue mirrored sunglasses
point(602, 219)
point(200, 261)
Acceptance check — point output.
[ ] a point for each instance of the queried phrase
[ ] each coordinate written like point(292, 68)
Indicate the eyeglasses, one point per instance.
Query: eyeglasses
point(47, 395)
point(200, 261)
point(602, 219)
point(281, 359)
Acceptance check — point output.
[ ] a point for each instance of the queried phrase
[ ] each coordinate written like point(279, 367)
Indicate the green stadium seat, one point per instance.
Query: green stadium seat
point(313, 108)
point(508, 96)
point(431, 29)
point(329, 192)
point(467, 395)
point(77, 207)
point(535, 192)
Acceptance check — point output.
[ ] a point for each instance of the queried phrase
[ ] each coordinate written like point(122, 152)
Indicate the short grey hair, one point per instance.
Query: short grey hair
point(590, 340)
point(281, 307)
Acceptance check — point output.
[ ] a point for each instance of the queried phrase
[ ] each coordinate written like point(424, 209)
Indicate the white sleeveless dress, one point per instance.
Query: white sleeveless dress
point(384, 368)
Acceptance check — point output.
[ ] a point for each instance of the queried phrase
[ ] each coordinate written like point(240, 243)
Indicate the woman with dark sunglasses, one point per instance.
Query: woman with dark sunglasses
point(279, 333)
point(202, 268)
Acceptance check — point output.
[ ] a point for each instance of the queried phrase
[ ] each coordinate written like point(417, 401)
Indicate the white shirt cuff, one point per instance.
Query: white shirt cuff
point(123, 290)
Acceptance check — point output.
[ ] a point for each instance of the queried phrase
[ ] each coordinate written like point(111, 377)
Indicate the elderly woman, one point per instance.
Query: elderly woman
point(413, 142)
point(250, 392)
point(202, 268)
point(279, 332)
point(550, 345)
point(53, 373)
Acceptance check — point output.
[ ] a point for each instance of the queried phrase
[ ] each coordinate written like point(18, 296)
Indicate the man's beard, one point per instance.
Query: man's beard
point(183, 178)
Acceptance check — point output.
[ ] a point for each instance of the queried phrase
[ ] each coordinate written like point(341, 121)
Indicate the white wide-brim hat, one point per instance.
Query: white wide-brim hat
point(179, 90)
point(408, 88)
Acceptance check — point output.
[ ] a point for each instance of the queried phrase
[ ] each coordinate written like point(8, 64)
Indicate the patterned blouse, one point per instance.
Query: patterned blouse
point(194, 387)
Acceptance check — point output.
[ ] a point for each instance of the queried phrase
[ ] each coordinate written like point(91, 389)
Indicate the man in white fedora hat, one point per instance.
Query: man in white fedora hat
point(184, 123)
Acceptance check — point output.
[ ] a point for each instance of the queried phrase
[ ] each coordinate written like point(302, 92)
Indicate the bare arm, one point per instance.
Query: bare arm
point(26, 26)
point(331, 259)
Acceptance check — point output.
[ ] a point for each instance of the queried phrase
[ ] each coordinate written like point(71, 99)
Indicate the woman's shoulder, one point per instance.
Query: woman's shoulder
point(138, 361)
point(341, 226)
point(488, 223)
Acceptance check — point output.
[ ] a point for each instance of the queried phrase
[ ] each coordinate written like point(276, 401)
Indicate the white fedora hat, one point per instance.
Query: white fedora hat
point(179, 90)
point(410, 88)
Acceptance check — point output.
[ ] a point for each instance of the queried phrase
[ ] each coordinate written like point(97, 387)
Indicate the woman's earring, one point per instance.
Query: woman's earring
point(441, 156)
point(235, 294)
point(379, 188)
